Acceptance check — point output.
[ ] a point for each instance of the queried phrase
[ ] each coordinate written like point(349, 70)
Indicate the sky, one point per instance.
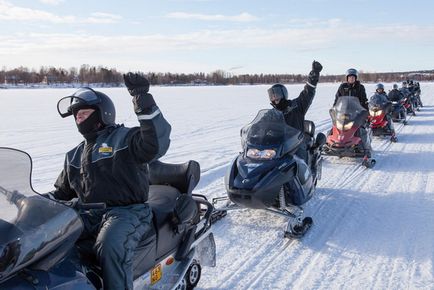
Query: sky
point(236, 36)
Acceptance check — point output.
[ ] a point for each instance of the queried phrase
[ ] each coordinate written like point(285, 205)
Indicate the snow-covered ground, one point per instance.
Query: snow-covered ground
point(372, 227)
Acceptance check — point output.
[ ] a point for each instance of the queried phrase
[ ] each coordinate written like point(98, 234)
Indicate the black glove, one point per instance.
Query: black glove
point(138, 87)
point(314, 73)
point(316, 66)
point(136, 83)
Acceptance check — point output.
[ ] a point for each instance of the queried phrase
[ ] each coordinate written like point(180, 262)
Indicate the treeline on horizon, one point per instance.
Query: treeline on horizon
point(87, 74)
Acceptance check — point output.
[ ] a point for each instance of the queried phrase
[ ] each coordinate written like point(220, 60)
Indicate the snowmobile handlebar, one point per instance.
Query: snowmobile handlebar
point(78, 205)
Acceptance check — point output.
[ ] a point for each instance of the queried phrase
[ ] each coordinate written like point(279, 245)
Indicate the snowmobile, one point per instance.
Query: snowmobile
point(399, 112)
point(38, 233)
point(343, 139)
point(269, 175)
point(408, 104)
point(379, 107)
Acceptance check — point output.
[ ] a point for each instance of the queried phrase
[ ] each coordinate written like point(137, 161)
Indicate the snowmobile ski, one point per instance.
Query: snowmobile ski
point(299, 230)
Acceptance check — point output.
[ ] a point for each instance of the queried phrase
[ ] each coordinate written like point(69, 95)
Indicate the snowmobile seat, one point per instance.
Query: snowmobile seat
point(168, 182)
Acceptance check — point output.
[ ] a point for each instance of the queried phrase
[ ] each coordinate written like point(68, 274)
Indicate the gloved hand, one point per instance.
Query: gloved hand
point(138, 87)
point(316, 66)
point(314, 73)
point(136, 83)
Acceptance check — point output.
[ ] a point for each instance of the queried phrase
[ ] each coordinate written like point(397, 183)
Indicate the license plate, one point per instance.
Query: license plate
point(156, 274)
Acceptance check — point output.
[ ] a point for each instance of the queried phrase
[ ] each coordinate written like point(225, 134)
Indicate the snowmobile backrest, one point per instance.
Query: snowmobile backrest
point(183, 176)
point(309, 128)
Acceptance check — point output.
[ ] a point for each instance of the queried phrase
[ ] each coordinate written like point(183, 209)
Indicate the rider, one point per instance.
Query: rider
point(395, 95)
point(110, 166)
point(407, 93)
point(380, 93)
point(294, 110)
point(353, 87)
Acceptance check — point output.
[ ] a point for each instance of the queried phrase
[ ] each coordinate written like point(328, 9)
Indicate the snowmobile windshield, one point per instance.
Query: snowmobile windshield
point(348, 110)
point(268, 132)
point(31, 226)
point(378, 101)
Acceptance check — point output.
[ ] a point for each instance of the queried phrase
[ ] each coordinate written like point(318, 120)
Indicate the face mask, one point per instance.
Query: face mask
point(91, 125)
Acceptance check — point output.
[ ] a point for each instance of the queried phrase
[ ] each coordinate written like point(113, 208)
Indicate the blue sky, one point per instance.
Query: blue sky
point(237, 36)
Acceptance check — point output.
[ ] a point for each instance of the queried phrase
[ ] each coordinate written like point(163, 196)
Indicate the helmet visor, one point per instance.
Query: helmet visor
point(276, 94)
point(82, 98)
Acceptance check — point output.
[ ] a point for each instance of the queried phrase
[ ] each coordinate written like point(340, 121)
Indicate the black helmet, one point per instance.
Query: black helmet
point(87, 98)
point(277, 92)
point(395, 86)
point(352, 72)
point(380, 86)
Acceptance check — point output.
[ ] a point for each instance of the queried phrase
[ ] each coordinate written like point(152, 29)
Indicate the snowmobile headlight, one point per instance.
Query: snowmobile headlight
point(375, 113)
point(343, 127)
point(348, 126)
point(261, 154)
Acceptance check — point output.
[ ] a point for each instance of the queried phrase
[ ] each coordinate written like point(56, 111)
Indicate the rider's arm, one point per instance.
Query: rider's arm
point(151, 141)
point(305, 98)
point(362, 97)
point(63, 190)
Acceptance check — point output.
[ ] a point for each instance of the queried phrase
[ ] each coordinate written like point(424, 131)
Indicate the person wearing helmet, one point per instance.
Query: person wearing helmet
point(381, 97)
point(352, 87)
point(407, 93)
point(110, 166)
point(379, 89)
point(395, 95)
point(295, 110)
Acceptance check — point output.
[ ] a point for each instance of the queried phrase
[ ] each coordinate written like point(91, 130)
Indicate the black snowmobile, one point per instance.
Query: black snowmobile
point(37, 233)
point(269, 175)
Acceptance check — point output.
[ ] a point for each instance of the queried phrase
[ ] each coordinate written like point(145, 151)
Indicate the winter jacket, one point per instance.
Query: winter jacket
point(395, 95)
point(297, 108)
point(112, 166)
point(355, 90)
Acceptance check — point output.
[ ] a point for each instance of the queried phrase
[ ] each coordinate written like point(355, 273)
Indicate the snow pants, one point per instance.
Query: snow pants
point(111, 235)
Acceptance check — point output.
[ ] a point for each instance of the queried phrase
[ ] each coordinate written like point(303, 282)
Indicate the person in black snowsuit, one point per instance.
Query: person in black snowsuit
point(407, 93)
point(353, 87)
point(110, 166)
point(395, 95)
point(295, 110)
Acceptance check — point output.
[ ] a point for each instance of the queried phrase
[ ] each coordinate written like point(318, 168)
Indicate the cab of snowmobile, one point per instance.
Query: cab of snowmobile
point(268, 174)
point(267, 162)
point(37, 233)
point(347, 116)
point(379, 107)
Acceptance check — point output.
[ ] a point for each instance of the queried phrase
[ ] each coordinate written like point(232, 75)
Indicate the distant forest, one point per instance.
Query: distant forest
point(86, 74)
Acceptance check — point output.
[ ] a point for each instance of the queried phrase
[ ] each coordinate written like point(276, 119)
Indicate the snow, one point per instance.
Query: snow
point(372, 227)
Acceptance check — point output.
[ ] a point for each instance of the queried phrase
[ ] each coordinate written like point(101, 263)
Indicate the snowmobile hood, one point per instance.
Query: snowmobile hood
point(348, 109)
point(269, 130)
point(32, 227)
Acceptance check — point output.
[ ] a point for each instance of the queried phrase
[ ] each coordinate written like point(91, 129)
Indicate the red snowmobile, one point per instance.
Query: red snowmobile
point(344, 138)
point(380, 122)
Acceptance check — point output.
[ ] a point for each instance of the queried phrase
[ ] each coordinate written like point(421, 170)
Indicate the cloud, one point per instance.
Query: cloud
point(66, 49)
point(242, 17)
point(10, 12)
point(51, 2)
point(101, 17)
